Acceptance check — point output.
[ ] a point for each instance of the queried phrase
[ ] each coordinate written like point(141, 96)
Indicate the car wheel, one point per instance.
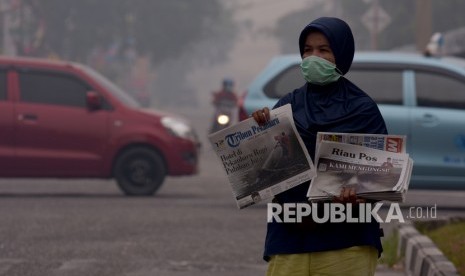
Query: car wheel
point(140, 171)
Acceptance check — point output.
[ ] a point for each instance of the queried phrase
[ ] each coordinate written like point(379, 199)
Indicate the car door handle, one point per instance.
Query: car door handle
point(429, 120)
point(27, 117)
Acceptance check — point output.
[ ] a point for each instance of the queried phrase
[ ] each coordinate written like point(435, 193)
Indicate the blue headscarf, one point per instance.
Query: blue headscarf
point(339, 36)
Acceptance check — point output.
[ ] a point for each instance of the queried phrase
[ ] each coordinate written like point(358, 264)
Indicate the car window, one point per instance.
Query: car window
point(111, 87)
point(50, 88)
point(384, 86)
point(287, 81)
point(434, 90)
point(3, 87)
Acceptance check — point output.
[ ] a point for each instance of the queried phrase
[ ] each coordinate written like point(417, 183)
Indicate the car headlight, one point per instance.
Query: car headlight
point(178, 128)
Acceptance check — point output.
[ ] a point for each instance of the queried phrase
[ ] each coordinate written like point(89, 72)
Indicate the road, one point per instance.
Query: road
point(191, 227)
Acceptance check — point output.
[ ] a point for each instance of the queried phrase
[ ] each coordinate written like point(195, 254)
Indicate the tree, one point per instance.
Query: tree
point(172, 34)
point(162, 29)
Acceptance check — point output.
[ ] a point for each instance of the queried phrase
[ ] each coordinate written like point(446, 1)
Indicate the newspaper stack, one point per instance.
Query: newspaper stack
point(263, 161)
point(375, 165)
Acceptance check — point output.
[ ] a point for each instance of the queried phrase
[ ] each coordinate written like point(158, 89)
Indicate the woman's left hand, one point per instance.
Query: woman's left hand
point(348, 195)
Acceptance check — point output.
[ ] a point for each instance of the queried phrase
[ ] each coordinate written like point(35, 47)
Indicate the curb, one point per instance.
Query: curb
point(421, 256)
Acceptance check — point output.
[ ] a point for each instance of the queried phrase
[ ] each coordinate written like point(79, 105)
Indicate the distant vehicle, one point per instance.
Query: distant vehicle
point(64, 120)
point(421, 97)
point(225, 105)
point(222, 116)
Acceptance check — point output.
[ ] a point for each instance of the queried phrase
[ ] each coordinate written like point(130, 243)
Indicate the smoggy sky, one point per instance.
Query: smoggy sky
point(251, 52)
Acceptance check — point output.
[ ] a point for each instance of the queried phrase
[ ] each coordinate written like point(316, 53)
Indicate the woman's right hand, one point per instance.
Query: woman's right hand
point(261, 116)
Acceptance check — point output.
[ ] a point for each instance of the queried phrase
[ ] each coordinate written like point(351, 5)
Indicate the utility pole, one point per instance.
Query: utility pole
point(423, 23)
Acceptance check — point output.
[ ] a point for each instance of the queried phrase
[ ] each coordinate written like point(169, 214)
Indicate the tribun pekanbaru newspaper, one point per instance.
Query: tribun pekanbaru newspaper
point(263, 161)
point(375, 165)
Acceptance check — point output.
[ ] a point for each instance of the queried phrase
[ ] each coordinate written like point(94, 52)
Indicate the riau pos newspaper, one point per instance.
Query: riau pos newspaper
point(263, 161)
point(377, 166)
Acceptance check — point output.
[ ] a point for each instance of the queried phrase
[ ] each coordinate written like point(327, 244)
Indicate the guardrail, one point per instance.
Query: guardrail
point(421, 256)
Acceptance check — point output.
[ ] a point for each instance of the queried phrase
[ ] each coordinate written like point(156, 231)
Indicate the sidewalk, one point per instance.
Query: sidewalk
point(383, 270)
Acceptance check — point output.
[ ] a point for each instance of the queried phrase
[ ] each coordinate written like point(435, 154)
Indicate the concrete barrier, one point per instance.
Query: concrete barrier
point(420, 254)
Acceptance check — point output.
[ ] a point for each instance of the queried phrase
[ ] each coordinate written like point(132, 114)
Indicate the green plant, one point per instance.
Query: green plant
point(390, 243)
point(450, 240)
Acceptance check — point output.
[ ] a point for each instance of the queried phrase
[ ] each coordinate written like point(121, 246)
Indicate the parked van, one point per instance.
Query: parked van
point(65, 120)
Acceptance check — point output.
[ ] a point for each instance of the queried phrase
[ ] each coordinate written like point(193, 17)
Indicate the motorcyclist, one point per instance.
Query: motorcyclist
point(225, 103)
point(226, 94)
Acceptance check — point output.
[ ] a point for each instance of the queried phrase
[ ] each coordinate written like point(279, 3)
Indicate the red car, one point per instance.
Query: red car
point(65, 120)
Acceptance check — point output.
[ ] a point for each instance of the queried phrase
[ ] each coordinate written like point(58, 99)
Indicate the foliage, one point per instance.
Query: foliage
point(148, 47)
point(161, 29)
point(449, 239)
point(390, 244)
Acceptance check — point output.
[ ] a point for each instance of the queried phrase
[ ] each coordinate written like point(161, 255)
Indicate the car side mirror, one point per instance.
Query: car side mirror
point(93, 100)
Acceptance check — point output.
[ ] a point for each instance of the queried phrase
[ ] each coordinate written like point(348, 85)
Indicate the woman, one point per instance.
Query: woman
point(327, 102)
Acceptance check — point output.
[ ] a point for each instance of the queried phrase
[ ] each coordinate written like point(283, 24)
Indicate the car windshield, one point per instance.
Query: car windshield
point(113, 88)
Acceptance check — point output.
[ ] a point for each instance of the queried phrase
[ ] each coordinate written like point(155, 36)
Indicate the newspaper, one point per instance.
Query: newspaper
point(386, 142)
point(263, 161)
point(375, 174)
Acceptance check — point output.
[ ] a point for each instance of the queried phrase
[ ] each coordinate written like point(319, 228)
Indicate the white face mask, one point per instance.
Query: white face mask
point(319, 71)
